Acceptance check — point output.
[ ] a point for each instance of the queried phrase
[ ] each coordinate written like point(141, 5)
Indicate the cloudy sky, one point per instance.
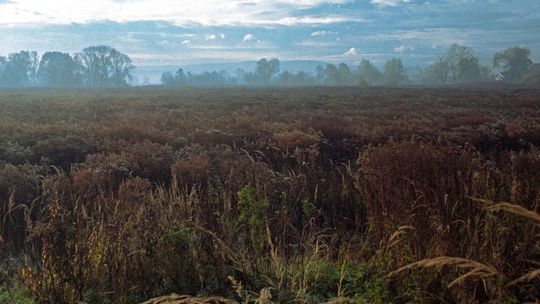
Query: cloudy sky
point(176, 32)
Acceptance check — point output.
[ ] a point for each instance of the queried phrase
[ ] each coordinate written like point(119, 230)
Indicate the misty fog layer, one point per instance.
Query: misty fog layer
point(104, 66)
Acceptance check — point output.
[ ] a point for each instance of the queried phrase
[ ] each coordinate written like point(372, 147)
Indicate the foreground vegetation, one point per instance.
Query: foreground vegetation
point(260, 195)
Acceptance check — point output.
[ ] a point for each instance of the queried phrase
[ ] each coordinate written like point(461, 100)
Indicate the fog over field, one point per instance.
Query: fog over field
point(261, 152)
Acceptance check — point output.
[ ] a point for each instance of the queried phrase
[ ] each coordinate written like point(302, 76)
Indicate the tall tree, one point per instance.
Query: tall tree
point(94, 62)
point(180, 78)
point(120, 68)
point(332, 75)
point(58, 70)
point(469, 69)
point(437, 72)
point(454, 56)
point(33, 68)
point(369, 73)
point(441, 68)
point(19, 68)
point(3, 70)
point(266, 69)
point(167, 78)
point(515, 61)
point(345, 76)
point(104, 66)
point(394, 73)
point(320, 74)
point(285, 78)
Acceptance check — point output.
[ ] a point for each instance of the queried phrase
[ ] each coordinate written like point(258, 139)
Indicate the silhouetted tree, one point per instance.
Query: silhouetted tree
point(240, 76)
point(167, 78)
point(34, 64)
point(320, 74)
point(345, 77)
point(3, 70)
point(19, 69)
point(120, 68)
point(394, 73)
point(266, 69)
point(369, 73)
point(58, 70)
point(104, 66)
point(208, 78)
point(303, 78)
point(515, 60)
point(332, 75)
point(437, 72)
point(285, 78)
point(289, 79)
point(180, 78)
point(469, 69)
point(454, 56)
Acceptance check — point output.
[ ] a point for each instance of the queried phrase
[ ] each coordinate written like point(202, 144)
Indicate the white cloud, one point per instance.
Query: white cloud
point(403, 48)
point(248, 37)
point(322, 33)
point(352, 52)
point(383, 3)
point(185, 42)
point(439, 36)
point(219, 36)
point(181, 12)
point(311, 20)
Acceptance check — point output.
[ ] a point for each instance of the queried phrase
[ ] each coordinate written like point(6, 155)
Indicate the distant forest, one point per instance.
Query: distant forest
point(459, 65)
point(104, 66)
point(95, 66)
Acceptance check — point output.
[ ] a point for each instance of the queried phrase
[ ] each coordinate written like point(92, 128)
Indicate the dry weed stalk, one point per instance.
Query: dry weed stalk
point(176, 299)
point(475, 269)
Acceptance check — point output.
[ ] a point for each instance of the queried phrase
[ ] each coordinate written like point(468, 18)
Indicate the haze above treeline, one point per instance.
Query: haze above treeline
point(104, 66)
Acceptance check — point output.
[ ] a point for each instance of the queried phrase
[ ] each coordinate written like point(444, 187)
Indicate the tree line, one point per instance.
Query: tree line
point(104, 66)
point(459, 64)
point(94, 66)
point(268, 72)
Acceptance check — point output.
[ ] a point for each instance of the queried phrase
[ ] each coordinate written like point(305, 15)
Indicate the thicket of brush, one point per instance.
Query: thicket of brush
point(255, 195)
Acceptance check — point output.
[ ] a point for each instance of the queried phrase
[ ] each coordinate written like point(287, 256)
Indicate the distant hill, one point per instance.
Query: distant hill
point(153, 73)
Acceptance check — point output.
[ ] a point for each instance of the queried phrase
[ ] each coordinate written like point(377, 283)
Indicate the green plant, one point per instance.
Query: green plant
point(15, 296)
point(178, 261)
point(253, 214)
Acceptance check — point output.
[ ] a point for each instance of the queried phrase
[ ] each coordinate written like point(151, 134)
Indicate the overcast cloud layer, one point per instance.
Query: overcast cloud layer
point(159, 32)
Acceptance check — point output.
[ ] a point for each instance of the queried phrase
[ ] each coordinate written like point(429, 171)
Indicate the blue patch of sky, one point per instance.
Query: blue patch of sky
point(416, 31)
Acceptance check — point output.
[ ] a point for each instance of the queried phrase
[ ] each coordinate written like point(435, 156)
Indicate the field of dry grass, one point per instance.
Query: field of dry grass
point(298, 195)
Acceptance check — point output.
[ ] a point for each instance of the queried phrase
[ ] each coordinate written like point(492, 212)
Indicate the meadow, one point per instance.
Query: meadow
point(270, 195)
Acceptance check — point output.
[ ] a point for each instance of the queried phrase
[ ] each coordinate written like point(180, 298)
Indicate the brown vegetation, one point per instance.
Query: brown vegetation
point(264, 195)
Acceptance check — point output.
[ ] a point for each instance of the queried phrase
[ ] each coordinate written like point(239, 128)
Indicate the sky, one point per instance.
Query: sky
point(180, 32)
